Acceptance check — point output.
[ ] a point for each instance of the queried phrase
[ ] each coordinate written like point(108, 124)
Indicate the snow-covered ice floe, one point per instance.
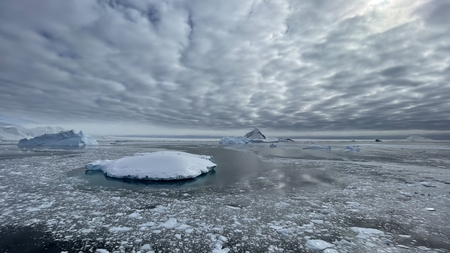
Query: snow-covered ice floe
point(161, 165)
point(318, 147)
point(61, 139)
point(232, 140)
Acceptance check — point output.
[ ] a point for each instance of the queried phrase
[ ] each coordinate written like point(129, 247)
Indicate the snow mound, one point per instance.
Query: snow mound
point(61, 139)
point(417, 138)
point(255, 134)
point(232, 140)
point(318, 147)
point(157, 166)
point(12, 133)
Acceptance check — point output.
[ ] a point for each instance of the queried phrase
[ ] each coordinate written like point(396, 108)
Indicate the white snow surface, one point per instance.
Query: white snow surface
point(61, 139)
point(12, 133)
point(161, 165)
point(233, 140)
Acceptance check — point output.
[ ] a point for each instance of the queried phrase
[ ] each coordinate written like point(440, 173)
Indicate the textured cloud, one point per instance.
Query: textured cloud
point(278, 64)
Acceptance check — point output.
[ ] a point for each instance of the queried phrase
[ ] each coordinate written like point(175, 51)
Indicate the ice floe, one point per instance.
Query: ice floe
point(162, 165)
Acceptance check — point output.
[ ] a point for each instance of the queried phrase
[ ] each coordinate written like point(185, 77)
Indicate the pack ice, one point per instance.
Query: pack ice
point(158, 166)
point(61, 139)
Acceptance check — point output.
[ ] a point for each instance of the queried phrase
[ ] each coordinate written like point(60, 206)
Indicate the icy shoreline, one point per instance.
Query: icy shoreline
point(382, 188)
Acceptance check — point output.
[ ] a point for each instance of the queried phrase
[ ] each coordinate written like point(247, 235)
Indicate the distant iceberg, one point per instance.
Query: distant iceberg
point(417, 138)
point(255, 134)
point(232, 140)
point(157, 166)
point(61, 139)
point(352, 149)
point(318, 147)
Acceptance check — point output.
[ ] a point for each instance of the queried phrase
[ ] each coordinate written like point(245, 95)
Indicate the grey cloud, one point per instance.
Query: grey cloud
point(283, 65)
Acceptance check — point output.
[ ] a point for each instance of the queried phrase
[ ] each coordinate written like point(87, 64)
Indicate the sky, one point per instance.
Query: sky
point(206, 67)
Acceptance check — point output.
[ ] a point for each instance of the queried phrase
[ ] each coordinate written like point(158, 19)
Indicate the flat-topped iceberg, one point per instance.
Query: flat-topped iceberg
point(232, 140)
point(318, 147)
point(61, 139)
point(157, 166)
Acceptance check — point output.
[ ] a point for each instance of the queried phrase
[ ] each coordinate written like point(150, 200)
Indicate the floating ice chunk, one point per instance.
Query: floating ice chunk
point(430, 209)
point(119, 229)
point(318, 147)
point(162, 165)
point(427, 184)
point(135, 215)
point(146, 247)
point(170, 224)
point(101, 251)
point(183, 227)
point(330, 251)
point(273, 145)
point(318, 245)
point(366, 233)
point(148, 224)
point(232, 140)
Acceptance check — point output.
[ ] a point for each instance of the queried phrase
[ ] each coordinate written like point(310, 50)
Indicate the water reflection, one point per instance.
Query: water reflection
point(233, 167)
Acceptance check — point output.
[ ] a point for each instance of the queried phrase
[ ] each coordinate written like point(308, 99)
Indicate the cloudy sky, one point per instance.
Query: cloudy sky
point(157, 66)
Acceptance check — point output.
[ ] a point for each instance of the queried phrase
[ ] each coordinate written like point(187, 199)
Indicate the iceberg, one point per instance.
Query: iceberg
point(61, 139)
point(232, 140)
point(156, 166)
point(417, 138)
point(318, 147)
point(255, 134)
point(268, 140)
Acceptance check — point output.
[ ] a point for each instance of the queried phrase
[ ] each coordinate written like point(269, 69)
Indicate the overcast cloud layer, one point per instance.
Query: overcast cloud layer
point(277, 64)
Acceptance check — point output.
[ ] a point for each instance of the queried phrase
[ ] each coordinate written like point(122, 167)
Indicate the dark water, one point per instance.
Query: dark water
point(232, 167)
point(33, 239)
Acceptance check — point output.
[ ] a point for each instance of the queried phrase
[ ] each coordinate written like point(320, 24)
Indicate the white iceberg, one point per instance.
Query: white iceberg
point(61, 139)
point(162, 165)
point(318, 147)
point(267, 140)
point(232, 140)
point(417, 138)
